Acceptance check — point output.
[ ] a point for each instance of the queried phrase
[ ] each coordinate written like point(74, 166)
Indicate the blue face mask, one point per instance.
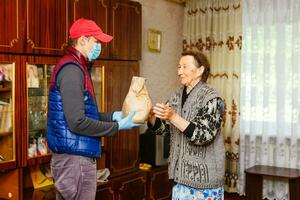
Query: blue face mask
point(95, 52)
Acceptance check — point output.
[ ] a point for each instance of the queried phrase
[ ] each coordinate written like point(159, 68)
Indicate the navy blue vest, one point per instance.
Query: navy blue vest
point(60, 138)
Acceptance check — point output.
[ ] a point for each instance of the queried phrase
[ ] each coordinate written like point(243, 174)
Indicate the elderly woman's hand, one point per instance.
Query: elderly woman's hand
point(163, 111)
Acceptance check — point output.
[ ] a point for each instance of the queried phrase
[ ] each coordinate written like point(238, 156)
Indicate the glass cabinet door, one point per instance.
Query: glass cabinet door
point(97, 76)
point(7, 133)
point(38, 78)
point(98, 79)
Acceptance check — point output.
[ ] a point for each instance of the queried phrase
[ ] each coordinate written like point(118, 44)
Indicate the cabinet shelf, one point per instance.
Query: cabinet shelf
point(39, 160)
point(2, 134)
point(37, 130)
point(7, 165)
point(5, 89)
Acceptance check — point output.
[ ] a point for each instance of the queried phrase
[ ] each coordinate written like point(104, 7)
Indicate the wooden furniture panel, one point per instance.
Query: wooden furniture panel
point(119, 75)
point(47, 26)
point(254, 180)
point(126, 187)
point(131, 186)
point(9, 184)
point(97, 10)
point(251, 191)
point(46, 193)
point(105, 191)
point(158, 177)
point(11, 24)
point(98, 77)
point(120, 18)
point(126, 29)
point(122, 150)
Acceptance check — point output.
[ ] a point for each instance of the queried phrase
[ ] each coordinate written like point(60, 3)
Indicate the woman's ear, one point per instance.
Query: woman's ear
point(200, 71)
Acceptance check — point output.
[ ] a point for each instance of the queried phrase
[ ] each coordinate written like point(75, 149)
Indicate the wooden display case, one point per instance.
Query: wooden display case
point(7, 132)
point(38, 78)
point(32, 44)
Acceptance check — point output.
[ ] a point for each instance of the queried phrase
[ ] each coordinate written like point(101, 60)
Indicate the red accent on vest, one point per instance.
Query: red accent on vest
point(72, 55)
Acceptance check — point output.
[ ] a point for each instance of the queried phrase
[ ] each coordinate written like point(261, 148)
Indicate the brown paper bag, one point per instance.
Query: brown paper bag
point(137, 100)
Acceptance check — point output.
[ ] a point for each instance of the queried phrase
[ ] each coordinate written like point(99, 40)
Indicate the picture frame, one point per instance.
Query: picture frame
point(154, 40)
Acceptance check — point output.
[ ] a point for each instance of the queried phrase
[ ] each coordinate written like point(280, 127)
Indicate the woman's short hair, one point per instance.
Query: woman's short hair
point(201, 60)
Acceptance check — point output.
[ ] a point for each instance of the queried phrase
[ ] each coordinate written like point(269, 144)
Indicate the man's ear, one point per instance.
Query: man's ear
point(81, 40)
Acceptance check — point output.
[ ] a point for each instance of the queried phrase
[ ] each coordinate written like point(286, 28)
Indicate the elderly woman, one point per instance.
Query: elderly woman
point(193, 117)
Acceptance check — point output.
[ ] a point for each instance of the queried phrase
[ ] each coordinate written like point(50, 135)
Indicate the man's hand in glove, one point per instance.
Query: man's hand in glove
point(117, 116)
point(126, 122)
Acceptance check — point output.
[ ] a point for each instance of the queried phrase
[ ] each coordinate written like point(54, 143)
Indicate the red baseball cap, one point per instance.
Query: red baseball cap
point(85, 27)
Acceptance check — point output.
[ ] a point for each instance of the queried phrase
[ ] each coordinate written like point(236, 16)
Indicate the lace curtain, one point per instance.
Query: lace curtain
point(213, 27)
point(270, 90)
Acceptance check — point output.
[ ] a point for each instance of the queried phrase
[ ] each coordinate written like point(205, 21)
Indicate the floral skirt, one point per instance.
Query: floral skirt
point(183, 192)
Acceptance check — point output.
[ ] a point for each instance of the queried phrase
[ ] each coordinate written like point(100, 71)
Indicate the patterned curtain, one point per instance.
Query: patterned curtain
point(214, 27)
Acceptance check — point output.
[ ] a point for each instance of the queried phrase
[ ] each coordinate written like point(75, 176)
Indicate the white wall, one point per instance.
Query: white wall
point(160, 69)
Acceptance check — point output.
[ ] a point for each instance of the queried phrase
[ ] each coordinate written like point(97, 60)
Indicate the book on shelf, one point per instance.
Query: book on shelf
point(41, 176)
point(4, 101)
point(5, 117)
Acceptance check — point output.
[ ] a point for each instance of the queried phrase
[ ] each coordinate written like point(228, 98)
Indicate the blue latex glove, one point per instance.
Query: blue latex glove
point(126, 122)
point(117, 116)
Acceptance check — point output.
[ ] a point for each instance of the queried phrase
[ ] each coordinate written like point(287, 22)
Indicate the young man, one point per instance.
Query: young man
point(74, 123)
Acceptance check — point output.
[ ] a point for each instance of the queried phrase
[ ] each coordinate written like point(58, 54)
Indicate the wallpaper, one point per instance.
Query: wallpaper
point(160, 69)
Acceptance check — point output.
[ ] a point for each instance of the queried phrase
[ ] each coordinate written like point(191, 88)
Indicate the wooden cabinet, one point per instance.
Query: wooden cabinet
point(22, 18)
point(121, 150)
point(126, 29)
point(151, 185)
point(51, 19)
point(157, 178)
point(24, 145)
point(9, 184)
point(12, 26)
point(105, 191)
point(119, 18)
point(119, 75)
point(34, 35)
point(97, 10)
point(129, 187)
point(42, 27)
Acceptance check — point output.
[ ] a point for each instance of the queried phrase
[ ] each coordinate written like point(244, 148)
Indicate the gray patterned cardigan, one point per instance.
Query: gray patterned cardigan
point(197, 161)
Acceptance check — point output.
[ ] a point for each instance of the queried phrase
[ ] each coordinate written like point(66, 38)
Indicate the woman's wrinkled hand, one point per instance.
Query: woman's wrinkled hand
point(163, 111)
